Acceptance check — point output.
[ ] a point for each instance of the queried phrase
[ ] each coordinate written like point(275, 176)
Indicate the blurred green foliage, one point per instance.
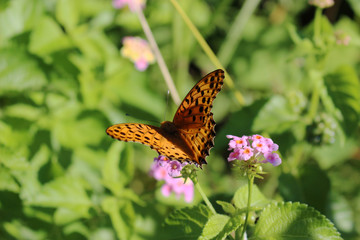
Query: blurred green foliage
point(63, 82)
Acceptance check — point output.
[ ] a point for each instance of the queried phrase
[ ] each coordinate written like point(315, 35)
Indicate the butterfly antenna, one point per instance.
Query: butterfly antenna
point(167, 104)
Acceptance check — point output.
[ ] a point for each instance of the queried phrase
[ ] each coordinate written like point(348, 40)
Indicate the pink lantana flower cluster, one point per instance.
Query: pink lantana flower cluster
point(132, 4)
point(138, 51)
point(255, 147)
point(342, 38)
point(166, 170)
point(322, 3)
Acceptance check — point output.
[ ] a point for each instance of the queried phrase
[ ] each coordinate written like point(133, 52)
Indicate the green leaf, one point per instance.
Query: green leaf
point(104, 233)
point(13, 160)
point(132, 89)
point(74, 133)
point(341, 213)
point(344, 89)
point(188, 223)
point(20, 16)
point(96, 48)
point(257, 198)
point(335, 154)
point(227, 207)
point(293, 221)
point(214, 226)
point(64, 192)
point(126, 164)
point(48, 38)
point(26, 172)
point(232, 225)
point(7, 182)
point(4, 4)
point(355, 6)
point(63, 216)
point(19, 71)
point(67, 13)
point(90, 89)
point(315, 186)
point(121, 214)
point(276, 116)
point(290, 188)
point(18, 230)
point(77, 227)
point(24, 111)
point(112, 177)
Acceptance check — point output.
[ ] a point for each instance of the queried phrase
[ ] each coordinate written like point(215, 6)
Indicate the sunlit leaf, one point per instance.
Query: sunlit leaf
point(275, 117)
point(20, 16)
point(64, 192)
point(67, 12)
point(257, 198)
point(188, 223)
point(214, 226)
point(344, 88)
point(19, 71)
point(48, 37)
point(121, 215)
point(293, 221)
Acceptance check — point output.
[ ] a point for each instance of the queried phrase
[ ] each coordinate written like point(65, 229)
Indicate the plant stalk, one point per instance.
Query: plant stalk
point(250, 184)
point(203, 195)
point(234, 35)
point(162, 65)
point(208, 50)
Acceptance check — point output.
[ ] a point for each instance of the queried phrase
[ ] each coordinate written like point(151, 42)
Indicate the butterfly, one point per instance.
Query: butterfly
point(190, 136)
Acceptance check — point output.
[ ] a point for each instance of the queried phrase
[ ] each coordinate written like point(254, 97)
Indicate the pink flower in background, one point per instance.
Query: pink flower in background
point(166, 170)
point(237, 142)
point(258, 148)
point(256, 137)
point(138, 51)
point(132, 4)
point(174, 168)
point(246, 153)
point(342, 38)
point(234, 155)
point(322, 3)
point(273, 158)
point(260, 145)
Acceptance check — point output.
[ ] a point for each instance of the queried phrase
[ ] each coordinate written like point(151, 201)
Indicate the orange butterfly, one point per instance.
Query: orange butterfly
point(190, 136)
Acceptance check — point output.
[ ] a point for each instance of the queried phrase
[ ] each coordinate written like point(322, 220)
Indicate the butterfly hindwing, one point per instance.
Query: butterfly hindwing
point(201, 139)
point(194, 118)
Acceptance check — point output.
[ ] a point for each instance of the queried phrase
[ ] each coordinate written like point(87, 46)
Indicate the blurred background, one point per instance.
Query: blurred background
point(64, 80)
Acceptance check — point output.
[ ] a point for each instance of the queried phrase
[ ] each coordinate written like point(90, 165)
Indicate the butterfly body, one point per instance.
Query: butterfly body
point(189, 137)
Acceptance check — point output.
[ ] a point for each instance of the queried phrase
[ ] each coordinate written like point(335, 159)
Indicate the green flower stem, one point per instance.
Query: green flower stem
point(250, 184)
point(317, 27)
point(163, 68)
point(206, 200)
point(234, 35)
point(315, 98)
point(207, 49)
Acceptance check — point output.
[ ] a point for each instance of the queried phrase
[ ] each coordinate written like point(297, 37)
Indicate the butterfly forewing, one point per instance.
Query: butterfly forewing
point(134, 132)
point(152, 136)
point(196, 106)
